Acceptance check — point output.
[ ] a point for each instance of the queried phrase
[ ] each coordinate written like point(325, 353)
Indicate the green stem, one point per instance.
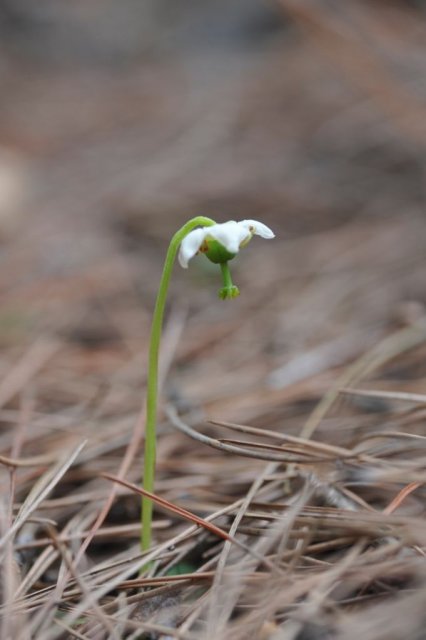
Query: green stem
point(152, 385)
point(229, 290)
point(226, 275)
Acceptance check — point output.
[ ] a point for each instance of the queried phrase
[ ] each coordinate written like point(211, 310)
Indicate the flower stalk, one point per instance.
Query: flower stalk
point(152, 383)
point(229, 290)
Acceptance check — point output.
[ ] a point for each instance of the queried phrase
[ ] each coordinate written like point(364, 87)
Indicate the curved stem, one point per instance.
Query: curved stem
point(152, 385)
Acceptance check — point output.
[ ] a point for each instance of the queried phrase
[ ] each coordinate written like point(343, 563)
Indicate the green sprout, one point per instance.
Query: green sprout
point(220, 243)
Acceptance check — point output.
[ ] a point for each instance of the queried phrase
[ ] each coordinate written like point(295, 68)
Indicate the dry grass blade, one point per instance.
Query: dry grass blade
point(415, 398)
point(319, 447)
point(35, 461)
point(223, 446)
point(295, 452)
point(184, 513)
point(404, 493)
point(41, 489)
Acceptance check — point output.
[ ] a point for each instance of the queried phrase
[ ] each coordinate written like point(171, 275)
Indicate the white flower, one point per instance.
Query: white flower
point(230, 236)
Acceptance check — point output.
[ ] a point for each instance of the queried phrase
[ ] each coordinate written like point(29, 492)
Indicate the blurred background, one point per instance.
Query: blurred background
point(121, 120)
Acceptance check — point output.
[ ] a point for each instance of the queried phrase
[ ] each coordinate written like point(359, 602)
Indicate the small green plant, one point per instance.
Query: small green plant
point(219, 243)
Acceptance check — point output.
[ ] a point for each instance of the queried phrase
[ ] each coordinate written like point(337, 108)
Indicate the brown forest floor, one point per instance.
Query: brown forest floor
point(292, 418)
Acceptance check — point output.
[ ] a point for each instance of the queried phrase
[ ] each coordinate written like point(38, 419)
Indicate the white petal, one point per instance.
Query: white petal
point(259, 229)
point(190, 245)
point(229, 234)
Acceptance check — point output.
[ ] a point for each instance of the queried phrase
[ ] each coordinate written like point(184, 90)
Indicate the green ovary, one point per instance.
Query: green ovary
point(216, 252)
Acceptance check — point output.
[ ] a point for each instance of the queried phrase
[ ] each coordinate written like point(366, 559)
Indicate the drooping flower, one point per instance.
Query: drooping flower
point(221, 242)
